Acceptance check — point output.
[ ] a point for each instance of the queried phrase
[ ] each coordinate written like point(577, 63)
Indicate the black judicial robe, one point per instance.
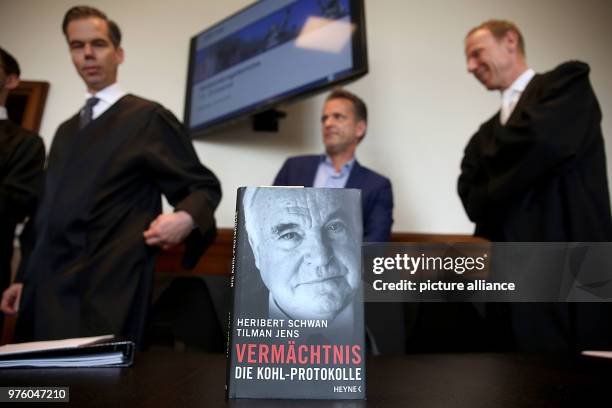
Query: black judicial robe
point(22, 158)
point(542, 177)
point(91, 271)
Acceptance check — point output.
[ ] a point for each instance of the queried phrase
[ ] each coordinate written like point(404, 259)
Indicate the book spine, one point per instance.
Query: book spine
point(230, 338)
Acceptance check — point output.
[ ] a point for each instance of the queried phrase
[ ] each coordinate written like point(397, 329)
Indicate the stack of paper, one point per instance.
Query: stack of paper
point(98, 351)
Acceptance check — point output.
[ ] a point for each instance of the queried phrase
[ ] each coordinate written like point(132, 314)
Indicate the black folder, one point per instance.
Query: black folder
point(100, 351)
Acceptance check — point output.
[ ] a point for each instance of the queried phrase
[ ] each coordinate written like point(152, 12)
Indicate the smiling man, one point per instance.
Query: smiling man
point(100, 223)
point(306, 244)
point(536, 171)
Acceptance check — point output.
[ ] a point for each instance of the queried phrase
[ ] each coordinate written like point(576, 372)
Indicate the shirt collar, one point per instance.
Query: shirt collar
point(520, 83)
point(328, 162)
point(110, 94)
point(3, 113)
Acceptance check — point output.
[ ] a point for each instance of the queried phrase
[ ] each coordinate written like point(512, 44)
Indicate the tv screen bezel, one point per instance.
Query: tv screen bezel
point(360, 68)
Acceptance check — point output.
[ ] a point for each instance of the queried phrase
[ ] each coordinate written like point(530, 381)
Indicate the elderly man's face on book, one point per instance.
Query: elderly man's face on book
point(306, 250)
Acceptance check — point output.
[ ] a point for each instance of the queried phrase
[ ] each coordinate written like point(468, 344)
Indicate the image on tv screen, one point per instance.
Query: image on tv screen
point(269, 52)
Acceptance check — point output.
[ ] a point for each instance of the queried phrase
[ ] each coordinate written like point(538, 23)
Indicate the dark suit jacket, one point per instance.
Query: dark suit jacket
point(376, 193)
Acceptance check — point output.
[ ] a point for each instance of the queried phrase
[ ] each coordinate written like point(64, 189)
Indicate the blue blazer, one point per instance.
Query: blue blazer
point(376, 193)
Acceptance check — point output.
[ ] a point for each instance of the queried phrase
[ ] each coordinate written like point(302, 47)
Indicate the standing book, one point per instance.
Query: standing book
point(296, 327)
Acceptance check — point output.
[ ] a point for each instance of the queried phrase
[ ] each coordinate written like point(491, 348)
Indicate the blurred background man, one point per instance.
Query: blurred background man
point(344, 123)
point(22, 157)
point(100, 223)
point(536, 171)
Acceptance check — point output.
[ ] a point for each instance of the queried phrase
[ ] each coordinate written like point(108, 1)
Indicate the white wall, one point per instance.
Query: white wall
point(423, 105)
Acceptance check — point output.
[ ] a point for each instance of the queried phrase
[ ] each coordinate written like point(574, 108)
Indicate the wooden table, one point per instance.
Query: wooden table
point(172, 379)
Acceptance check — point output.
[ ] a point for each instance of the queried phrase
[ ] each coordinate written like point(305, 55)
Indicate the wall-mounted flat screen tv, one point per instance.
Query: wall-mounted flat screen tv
point(271, 52)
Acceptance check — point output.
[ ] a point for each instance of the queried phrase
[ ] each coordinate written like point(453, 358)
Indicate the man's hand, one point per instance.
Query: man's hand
point(11, 298)
point(169, 229)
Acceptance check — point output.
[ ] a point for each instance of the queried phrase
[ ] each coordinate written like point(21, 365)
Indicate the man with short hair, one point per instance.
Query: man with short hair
point(22, 157)
point(536, 171)
point(99, 224)
point(343, 125)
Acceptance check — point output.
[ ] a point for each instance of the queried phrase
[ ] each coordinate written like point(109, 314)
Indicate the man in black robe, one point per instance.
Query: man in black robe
point(99, 224)
point(22, 157)
point(536, 171)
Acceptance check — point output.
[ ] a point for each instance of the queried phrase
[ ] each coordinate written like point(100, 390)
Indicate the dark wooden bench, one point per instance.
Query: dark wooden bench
point(218, 258)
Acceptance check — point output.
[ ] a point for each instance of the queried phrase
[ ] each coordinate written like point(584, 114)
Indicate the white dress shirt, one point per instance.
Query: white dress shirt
point(3, 113)
point(107, 97)
point(512, 94)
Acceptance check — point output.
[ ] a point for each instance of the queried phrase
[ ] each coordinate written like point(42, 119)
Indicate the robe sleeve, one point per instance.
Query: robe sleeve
point(184, 181)
point(471, 185)
point(535, 146)
point(21, 185)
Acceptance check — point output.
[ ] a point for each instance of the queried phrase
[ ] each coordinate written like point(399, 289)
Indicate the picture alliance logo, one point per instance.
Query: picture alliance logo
point(413, 264)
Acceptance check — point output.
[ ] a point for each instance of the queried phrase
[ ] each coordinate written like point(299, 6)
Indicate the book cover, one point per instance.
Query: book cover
point(296, 328)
